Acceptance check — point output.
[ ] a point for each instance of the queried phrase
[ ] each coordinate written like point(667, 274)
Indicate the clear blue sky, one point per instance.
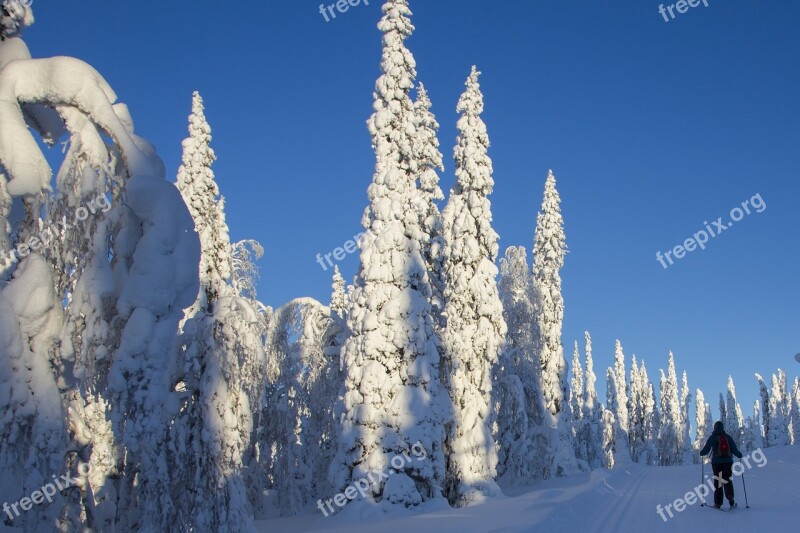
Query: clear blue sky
point(651, 127)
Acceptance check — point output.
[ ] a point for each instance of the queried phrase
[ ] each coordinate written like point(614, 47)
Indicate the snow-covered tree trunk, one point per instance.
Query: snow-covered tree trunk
point(475, 329)
point(393, 397)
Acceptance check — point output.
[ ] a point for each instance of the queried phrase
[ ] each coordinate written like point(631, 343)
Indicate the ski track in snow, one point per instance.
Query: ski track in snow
point(618, 501)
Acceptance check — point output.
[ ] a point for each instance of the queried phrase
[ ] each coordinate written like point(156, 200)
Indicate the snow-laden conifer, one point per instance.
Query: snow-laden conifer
point(475, 328)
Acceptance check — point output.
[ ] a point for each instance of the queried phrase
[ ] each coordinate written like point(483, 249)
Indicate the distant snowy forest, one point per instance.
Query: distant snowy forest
point(132, 339)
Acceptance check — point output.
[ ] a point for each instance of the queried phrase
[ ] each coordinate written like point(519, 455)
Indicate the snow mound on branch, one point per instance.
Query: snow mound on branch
point(165, 261)
point(58, 81)
point(797, 358)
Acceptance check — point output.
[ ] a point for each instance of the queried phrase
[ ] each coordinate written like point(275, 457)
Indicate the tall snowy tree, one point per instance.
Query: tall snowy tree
point(576, 386)
point(86, 391)
point(517, 390)
point(778, 428)
point(796, 411)
point(549, 249)
point(785, 404)
point(593, 412)
point(648, 453)
point(766, 409)
point(618, 404)
point(703, 421)
point(201, 193)
point(669, 431)
point(223, 359)
point(734, 421)
point(590, 404)
point(685, 439)
point(475, 326)
point(393, 397)
point(428, 160)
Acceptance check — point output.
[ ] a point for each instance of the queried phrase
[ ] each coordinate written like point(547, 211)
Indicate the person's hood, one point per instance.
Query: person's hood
point(719, 428)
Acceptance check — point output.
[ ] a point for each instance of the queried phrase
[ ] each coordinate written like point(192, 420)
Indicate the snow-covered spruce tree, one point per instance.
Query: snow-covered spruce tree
point(796, 411)
point(648, 453)
point(222, 357)
point(107, 375)
point(609, 435)
point(685, 438)
point(516, 390)
point(577, 388)
point(592, 408)
point(338, 294)
point(201, 193)
point(592, 412)
point(700, 421)
point(549, 249)
point(734, 421)
point(778, 428)
point(576, 395)
point(620, 439)
point(785, 404)
point(766, 412)
point(428, 160)
point(475, 329)
point(723, 408)
point(669, 432)
point(393, 394)
point(755, 433)
point(618, 404)
point(636, 412)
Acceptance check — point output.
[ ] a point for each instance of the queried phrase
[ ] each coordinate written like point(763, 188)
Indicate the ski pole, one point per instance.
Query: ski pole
point(744, 485)
point(703, 476)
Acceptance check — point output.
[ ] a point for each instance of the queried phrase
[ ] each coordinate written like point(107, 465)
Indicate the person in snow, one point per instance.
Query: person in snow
point(722, 448)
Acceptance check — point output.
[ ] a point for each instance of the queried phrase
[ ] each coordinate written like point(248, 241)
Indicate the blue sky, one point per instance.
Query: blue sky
point(651, 128)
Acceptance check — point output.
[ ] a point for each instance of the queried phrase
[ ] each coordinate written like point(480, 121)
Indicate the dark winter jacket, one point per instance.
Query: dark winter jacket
point(712, 445)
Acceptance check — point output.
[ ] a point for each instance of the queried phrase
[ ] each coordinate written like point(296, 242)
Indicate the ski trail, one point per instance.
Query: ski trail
point(619, 516)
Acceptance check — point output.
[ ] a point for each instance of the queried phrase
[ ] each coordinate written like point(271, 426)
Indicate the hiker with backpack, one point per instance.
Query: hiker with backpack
point(722, 448)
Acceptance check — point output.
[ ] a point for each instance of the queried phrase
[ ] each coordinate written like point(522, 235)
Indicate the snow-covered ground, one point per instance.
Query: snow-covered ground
point(620, 500)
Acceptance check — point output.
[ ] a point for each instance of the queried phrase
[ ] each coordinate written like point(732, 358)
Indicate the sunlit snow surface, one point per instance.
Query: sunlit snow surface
point(621, 500)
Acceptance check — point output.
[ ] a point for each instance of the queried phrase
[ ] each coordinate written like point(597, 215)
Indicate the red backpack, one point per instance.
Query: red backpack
point(723, 448)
